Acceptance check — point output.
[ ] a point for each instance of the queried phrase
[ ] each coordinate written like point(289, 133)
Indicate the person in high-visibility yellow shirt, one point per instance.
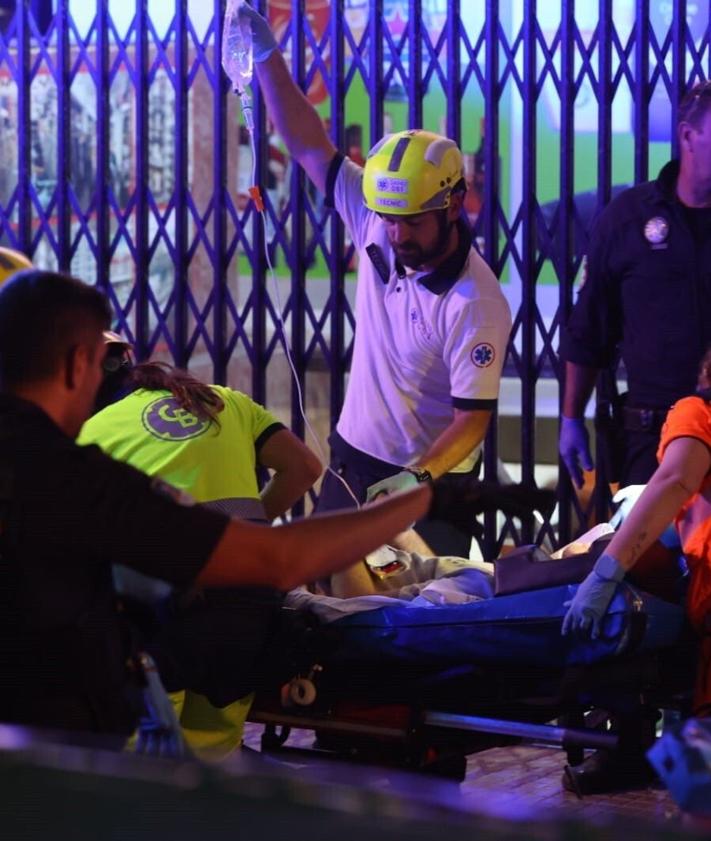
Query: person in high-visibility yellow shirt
point(206, 441)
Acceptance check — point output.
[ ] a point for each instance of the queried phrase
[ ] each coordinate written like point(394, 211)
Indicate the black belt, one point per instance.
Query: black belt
point(643, 420)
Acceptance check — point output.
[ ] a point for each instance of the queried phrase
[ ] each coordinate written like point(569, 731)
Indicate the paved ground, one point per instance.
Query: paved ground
point(507, 781)
point(534, 773)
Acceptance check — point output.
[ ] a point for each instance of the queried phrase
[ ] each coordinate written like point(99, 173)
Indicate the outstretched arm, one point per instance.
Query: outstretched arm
point(286, 556)
point(456, 442)
point(452, 445)
point(685, 464)
point(294, 117)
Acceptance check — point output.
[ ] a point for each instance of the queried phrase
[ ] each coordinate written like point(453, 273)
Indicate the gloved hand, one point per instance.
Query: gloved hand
point(574, 448)
point(589, 605)
point(263, 41)
point(402, 481)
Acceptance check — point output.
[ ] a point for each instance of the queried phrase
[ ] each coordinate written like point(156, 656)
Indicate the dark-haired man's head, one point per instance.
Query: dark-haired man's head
point(694, 133)
point(51, 344)
point(695, 104)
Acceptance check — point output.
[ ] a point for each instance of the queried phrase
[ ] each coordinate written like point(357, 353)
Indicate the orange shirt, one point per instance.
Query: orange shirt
point(691, 418)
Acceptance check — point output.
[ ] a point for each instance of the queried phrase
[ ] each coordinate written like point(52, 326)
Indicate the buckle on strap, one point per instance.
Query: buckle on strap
point(643, 419)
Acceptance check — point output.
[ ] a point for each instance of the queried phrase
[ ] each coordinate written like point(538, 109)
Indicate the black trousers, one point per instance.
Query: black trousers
point(640, 460)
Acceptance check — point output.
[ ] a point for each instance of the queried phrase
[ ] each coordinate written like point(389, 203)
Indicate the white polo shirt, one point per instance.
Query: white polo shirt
point(424, 344)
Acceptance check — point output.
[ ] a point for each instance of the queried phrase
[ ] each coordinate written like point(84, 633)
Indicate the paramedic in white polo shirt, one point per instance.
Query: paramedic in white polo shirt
point(432, 324)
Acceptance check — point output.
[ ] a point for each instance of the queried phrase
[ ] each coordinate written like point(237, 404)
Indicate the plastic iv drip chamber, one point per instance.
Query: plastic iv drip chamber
point(237, 56)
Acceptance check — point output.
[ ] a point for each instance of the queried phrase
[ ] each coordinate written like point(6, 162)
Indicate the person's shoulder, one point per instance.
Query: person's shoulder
point(693, 406)
point(626, 205)
point(88, 466)
point(347, 167)
point(346, 174)
point(225, 392)
point(240, 407)
point(478, 280)
point(233, 398)
point(688, 417)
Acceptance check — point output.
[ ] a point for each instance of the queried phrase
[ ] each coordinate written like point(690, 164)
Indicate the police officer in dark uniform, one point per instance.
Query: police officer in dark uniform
point(646, 296)
point(67, 513)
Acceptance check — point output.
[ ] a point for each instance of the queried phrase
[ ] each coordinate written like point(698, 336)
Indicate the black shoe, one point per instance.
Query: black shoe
point(607, 771)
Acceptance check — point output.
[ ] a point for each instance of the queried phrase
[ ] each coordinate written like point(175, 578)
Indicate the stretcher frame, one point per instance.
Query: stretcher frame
point(424, 737)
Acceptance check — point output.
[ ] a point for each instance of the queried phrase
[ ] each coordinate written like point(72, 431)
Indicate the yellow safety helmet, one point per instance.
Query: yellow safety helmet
point(411, 172)
point(12, 261)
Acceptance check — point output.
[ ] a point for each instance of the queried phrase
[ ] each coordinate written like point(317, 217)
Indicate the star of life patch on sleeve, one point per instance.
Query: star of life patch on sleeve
point(483, 354)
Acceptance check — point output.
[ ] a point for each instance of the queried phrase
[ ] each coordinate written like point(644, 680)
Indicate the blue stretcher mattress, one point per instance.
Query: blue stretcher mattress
point(522, 628)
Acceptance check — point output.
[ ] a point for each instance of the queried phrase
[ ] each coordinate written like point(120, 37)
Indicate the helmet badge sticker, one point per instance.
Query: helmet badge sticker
point(656, 230)
point(391, 185)
point(483, 354)
point(383, 202)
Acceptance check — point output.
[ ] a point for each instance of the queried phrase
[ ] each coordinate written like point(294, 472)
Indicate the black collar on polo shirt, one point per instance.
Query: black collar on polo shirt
point(443, 278)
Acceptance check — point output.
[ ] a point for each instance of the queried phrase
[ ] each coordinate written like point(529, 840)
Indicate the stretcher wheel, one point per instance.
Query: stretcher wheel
point(302, 692)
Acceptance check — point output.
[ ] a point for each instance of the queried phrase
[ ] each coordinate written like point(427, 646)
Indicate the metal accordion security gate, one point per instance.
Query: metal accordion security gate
point(124, 163)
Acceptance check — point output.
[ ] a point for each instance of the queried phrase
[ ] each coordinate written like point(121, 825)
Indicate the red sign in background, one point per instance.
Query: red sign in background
point(317, 12)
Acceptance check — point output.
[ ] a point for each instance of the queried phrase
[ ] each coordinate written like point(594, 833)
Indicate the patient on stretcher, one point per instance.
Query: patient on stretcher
point(392, 575)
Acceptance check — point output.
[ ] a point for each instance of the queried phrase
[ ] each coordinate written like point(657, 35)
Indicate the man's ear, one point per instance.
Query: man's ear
point(456, 201)
point(76, 361)
point(684, 134)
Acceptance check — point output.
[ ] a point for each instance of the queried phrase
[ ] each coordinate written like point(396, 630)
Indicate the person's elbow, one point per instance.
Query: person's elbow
point(674, 480)
point(311, 468)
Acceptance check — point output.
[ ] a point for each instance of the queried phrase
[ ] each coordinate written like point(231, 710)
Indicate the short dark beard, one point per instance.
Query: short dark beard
point(419, 257)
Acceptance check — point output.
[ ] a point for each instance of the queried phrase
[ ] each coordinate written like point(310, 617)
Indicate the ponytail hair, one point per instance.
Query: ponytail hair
point(192, 394)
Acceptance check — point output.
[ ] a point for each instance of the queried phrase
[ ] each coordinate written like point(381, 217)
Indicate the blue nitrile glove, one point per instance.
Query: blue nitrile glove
point(574, 448)
point(405, 480)
point(263, 41)
point(589, 605)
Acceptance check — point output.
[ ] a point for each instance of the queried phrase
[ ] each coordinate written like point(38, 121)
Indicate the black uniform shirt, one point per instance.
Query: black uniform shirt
point(647, 291)
point(72, 512)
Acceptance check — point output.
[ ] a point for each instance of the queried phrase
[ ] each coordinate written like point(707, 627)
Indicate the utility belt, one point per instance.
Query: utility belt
point(643, 420)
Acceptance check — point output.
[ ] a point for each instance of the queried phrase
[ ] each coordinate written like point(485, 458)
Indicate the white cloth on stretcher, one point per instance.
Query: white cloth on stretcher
point(418, 581)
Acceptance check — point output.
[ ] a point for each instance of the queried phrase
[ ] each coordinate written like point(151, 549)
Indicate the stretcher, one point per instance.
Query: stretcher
point(423, 687)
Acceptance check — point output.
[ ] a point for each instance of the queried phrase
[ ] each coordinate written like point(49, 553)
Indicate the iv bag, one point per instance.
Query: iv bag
point(237, 51)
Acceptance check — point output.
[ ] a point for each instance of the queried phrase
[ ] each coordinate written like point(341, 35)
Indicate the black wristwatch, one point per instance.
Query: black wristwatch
point(420, 475)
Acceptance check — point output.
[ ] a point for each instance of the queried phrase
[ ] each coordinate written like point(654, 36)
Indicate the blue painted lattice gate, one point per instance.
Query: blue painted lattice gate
point(123, 162)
